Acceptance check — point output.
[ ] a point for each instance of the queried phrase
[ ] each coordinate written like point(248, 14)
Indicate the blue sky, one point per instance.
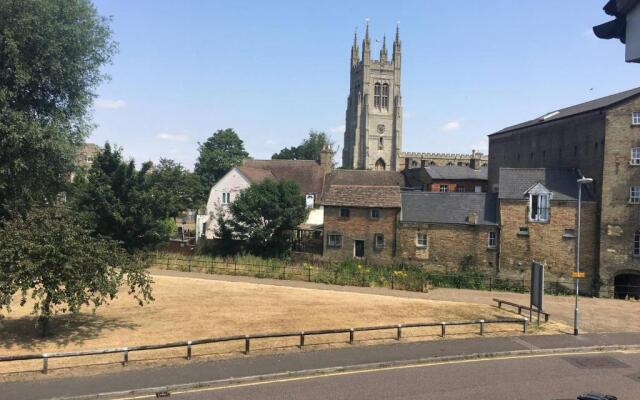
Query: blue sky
point(275, 70)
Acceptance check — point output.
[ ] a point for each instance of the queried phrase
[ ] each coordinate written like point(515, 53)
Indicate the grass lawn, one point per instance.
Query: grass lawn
point(190, 308)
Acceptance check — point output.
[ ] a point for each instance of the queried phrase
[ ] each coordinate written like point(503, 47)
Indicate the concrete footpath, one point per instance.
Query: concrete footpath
point(299, 361)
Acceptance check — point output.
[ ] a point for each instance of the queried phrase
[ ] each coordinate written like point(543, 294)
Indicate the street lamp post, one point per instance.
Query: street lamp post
point(581, 181)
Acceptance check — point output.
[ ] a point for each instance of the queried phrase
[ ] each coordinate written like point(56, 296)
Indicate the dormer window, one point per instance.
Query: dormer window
point(539, 201)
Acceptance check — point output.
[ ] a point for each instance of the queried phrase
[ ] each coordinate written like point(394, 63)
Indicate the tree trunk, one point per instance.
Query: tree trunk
point(45, 317)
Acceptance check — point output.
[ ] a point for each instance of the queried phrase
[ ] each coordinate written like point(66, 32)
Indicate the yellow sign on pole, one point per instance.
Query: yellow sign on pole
point(578, 275)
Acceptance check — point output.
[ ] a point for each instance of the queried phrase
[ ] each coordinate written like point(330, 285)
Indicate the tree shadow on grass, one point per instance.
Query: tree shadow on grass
point(64, 330)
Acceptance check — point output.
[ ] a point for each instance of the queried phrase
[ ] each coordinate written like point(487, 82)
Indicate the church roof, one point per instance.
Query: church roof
point(306, 173)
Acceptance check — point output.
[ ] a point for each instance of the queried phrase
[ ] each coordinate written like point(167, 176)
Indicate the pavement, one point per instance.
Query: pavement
point(336, 359)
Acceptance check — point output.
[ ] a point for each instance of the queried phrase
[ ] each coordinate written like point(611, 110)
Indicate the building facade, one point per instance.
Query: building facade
point(416, 160)
point(373, 127)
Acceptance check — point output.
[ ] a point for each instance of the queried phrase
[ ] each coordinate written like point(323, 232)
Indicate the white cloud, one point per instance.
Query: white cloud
point(450, 126)
point(482, 146)
point(110, 104)
point(173, 136)
point(337, 129)
point(270, 142)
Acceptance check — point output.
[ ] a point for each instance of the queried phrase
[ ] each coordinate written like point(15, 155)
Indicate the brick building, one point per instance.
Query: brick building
point(444, 179)
point(444, 229)
point(600, 138)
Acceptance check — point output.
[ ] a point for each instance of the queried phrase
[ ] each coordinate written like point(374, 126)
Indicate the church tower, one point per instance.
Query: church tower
point(373, 129)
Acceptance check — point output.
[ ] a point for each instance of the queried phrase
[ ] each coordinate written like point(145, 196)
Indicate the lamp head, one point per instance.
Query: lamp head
point(584, 180)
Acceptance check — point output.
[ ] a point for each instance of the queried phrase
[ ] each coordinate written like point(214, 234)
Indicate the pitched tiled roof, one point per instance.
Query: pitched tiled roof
point(592, 105)
point(448, 208)
point(456, 172)
point(365, 177)
point(562, 182)
point(362, 196)
point(306, 173)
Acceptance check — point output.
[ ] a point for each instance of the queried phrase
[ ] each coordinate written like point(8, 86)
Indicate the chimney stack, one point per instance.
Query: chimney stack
point(476, 160)
point(326, 159)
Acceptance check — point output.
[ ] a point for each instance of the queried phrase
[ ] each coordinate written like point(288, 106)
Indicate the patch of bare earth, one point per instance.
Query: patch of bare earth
point(188, 309)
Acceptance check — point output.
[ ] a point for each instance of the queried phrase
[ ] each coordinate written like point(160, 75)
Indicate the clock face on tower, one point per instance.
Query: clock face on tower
point(380, 129)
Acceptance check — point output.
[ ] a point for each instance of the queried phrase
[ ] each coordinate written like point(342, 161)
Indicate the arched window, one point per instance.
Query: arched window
point(636, 243)
point(450, 164)
point(376, 95)
point(414, 163)
point(380, 165)
point(380, 143)
point(385, 96)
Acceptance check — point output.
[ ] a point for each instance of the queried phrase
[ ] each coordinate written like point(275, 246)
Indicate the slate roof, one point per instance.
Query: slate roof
point(362, 196)
point(456, 172)
point(562, 182)
point(592, 105)
point(448, 208)
point(307, 174)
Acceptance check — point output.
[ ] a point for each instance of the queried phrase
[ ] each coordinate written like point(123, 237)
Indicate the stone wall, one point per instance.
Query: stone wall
point(447, 245)
point(619, 219)
point(548, 243)
point(360, 226)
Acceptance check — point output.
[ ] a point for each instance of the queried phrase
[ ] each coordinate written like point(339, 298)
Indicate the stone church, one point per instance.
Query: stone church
point(373, 127)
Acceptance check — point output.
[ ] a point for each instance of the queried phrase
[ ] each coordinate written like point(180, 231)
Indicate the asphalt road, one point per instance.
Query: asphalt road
point(543, 378)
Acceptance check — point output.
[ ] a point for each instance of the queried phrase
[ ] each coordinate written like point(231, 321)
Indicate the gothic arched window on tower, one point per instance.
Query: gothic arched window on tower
point(380, 165)
point(385, 96)
point(376, 95)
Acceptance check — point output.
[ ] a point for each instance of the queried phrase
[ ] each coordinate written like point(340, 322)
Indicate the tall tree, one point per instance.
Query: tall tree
point(182, 187)
point(50, 58)
point(264, 215)
point(221, 152)
point(309, 149)
point(52, 258)
point(123, 203)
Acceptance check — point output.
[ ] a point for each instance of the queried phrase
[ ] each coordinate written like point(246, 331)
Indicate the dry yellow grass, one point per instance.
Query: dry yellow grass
point(188, 308)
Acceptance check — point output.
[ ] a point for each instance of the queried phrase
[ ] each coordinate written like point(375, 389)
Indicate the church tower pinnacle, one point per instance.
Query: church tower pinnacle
point(373, 128)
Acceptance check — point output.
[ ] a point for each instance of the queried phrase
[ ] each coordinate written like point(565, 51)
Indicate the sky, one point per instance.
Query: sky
point(274, 70)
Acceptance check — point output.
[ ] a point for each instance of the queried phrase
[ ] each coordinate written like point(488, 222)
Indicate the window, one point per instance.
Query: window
point(635, 156)
point(378, 243)
point(478, 189)
point(636, 244)
point(376, 95)
point(421, 240)
point(380, 143)
point(374, 213)
point(385, 96)
point(634, 198)
point(310, 199)
point(539, 207)
point(635, 118)
point(460, 189)
point(414, 163)
point(569, 233)
point(344, 212)
point(444, 188)
point(226, 198)
point(492, 239)
point(523, 231)
point(334, 240)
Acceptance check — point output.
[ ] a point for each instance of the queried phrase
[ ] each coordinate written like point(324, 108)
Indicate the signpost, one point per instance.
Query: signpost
point(537, 288)
point(578, 275)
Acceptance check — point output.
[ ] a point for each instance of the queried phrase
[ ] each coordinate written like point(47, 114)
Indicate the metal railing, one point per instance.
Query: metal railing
point(521, 307)
point(188, 344)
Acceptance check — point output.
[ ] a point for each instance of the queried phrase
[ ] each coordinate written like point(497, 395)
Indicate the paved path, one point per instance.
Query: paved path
point(531, 378)
point(597, 315)
point(305, 360)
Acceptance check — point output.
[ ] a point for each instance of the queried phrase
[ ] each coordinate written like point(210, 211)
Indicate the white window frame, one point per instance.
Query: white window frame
point(444, 188)
point(492, 239)
point(310, 200)
point(635, 156)
point(378, 241)
point(634, 195)
point(334, 240)
point(636, 243)
point(635, 118)
point(543, 205)
point(423, 244)
point(226, 197)
point(478, 189)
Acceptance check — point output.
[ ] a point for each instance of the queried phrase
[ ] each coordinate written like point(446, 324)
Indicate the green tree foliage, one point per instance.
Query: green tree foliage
point(309, 149)
point(50, 58)
point(52, 258)
point(123, 203)
point(263, 217)
point(221, 152)
point(183, 188)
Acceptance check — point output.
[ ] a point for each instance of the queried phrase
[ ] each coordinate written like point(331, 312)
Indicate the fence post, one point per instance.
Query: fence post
point(301, 339)
point(519, 310)
point(525, 323)
point(490, 284)
point(284, 271)
point(399, 332)
point(523, 285)
point(351, 332)
point(246, 344)
point(392, 281)
point(190, 257)
point(309, 272)
point(189, 350)
point(442, 328)
point(481, 327)
point(235, 265)
point(45, 363)
point(167, 262)
point(125, 360)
